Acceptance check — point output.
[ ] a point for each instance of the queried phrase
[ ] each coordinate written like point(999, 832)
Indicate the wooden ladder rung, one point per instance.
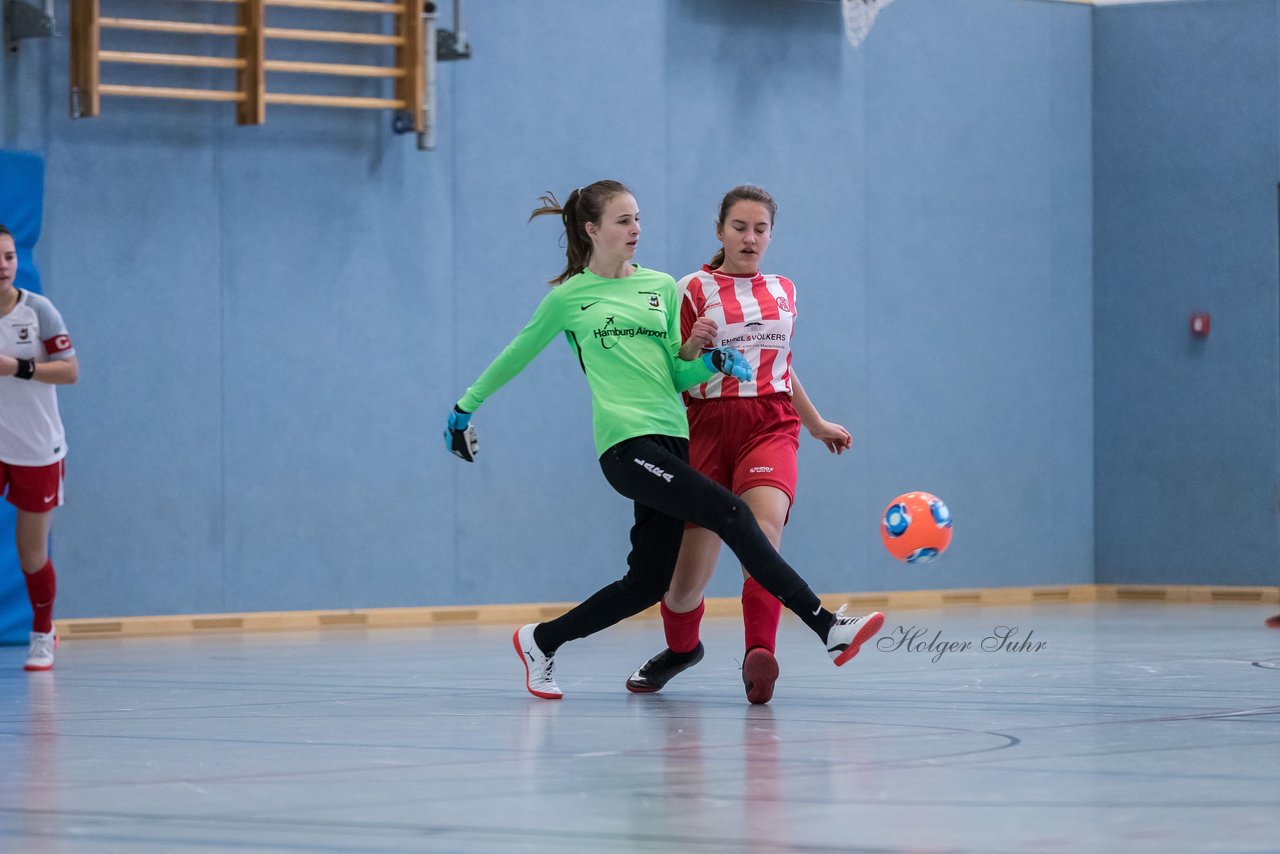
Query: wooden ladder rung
point(331, 36)
point(334, 101)
point(170, 92)
point(338, 5)
point(248, 61)
point(179, 59)
point(333, 68)
point(171, 27)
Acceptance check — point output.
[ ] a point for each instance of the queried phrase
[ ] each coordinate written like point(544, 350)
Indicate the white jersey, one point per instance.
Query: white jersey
point(755, 314)
point(31, 431)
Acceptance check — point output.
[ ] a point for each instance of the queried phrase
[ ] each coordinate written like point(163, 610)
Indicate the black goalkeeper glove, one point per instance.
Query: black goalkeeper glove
point(460, 437)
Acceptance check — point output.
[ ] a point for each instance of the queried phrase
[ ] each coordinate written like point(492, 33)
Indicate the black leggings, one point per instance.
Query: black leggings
point(654, 472)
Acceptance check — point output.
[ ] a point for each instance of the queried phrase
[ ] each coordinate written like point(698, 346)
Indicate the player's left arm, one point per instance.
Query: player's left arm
point(834, 436)
point(62, 368)
point(58, 372)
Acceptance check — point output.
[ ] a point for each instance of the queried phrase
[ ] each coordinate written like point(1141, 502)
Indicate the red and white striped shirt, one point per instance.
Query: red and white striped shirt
point(755, 314)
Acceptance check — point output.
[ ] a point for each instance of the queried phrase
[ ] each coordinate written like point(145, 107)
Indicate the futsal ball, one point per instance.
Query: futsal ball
point(916, 527)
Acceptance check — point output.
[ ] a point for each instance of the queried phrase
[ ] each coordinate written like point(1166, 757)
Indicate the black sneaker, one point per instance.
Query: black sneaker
point(659, 670)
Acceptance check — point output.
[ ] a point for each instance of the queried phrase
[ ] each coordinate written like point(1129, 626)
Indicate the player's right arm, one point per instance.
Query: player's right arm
point(697, 332)
point(701, 336)
point(547, 322)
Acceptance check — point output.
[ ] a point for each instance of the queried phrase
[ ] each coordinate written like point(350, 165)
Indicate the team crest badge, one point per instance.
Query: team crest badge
point(653, 300)
point(784, 305)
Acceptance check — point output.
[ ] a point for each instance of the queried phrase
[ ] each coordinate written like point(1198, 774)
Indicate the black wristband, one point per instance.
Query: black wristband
point(26, 369)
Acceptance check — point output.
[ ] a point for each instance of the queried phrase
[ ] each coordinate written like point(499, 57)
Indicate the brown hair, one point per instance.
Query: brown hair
point(742, 193)
point(584, 205)
point(4, 230)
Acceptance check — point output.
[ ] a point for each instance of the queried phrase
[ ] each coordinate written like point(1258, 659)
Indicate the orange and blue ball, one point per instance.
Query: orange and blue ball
point(916, 527)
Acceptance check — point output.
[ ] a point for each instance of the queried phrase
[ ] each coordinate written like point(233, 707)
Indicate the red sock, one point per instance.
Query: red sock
point(42, 586)
point(761, 613)
point(682, 629)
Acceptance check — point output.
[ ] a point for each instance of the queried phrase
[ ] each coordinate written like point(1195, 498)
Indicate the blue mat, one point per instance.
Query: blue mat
point(21, 209)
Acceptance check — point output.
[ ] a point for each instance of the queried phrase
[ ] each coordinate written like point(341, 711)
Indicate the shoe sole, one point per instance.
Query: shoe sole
point(759, 672)
point(637, 688)
point(545, 695)
point(868, 630)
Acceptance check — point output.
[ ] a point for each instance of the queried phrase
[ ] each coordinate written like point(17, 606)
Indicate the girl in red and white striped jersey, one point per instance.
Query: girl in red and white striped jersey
point(743, 435)
point(35, 355)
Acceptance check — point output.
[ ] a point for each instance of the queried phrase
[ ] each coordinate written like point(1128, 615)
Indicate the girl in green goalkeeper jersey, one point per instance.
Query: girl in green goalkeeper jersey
point(622, 322)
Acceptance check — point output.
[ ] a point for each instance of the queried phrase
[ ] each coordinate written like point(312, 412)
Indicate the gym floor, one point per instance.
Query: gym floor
point(1129, 727)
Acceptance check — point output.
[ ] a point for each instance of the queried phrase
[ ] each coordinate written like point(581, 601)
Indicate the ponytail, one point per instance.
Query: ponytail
point(584, 205)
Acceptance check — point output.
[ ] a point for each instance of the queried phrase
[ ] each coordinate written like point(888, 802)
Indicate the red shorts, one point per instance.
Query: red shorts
point(743, 442)
point(35, 489)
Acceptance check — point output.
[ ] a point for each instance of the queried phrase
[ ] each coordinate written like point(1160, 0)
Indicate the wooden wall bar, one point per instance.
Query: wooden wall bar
point(252, 36)
point(890, 602)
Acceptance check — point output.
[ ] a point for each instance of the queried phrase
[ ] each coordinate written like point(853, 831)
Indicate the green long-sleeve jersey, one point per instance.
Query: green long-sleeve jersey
point(626, 335)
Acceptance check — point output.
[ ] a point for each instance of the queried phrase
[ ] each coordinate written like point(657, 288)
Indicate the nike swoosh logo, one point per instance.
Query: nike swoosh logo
point(588, 305)
point(817, 610)
point(50, 498)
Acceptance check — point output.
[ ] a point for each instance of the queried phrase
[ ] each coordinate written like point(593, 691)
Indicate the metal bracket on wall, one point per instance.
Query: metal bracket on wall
point(452, 44)
point(447, 47)
point(24, 21)
point(438, 45)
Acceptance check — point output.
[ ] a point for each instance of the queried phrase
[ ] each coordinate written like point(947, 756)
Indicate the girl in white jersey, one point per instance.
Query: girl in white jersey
point(742, 435)
point(35, 355)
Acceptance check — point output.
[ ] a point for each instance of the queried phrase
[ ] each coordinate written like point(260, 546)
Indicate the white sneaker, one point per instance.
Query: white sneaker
point(847, 634)
point(40, 654)
point(539, 668)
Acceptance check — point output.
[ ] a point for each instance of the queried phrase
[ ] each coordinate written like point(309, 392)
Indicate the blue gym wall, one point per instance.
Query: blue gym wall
point(1187, 431)
point(272, 321)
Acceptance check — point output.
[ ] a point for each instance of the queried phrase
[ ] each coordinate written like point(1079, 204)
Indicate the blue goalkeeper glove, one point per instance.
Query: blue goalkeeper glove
point(729, 361)
point(460, 437)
